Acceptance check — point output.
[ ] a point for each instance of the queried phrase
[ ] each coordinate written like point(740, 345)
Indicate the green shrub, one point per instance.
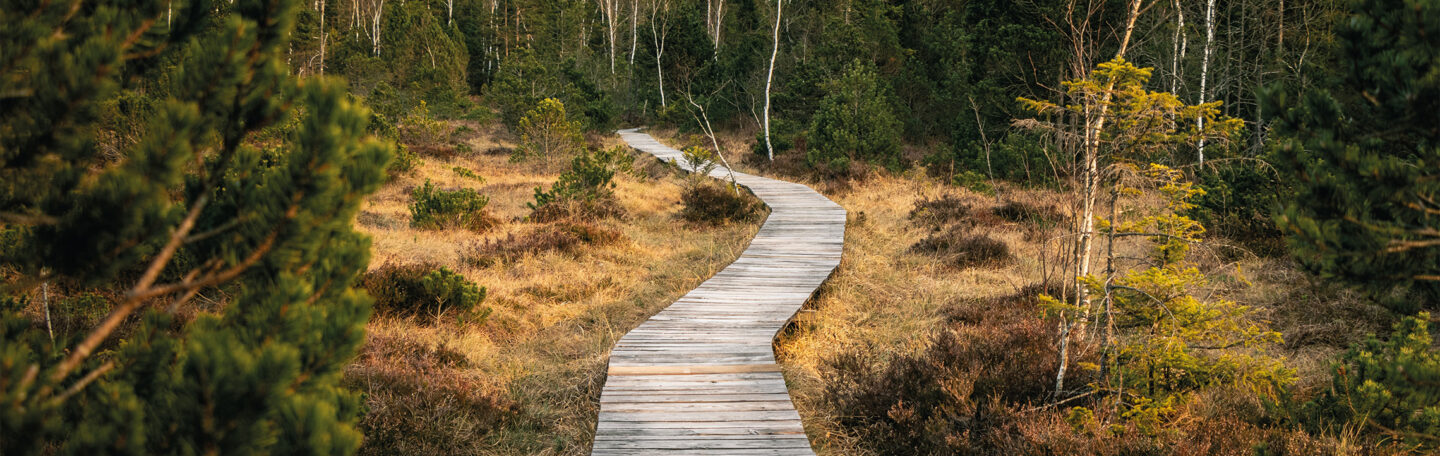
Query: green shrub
point(1390, 386)
point(404, 162)
point(973, 181)
point(1022, 157)
point(1238, 202)
point(438, 209)
point(424, 132)
point(701, 160)
point(449, 290)
point(715, 203)
point(546, 132)
point(586, 189)
point(855, 123)
point(423, 289)
point(466, 172)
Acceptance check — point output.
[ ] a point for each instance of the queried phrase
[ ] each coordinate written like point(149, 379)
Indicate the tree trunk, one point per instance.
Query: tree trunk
point(375, 28)
point(769, 78)
point(1205, 69)
point(1177, 54)
point(608, 9)
point(634, 22)
point(658, 18)
point(1094, 124)
point(323, 34)
point(719, 19)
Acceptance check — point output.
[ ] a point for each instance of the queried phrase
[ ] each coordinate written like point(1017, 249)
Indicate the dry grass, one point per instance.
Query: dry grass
point(531, 375)
point(886, 299)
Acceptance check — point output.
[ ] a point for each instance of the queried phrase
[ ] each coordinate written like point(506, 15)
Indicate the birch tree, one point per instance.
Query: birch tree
point(769, 78)
point(1093, 117)
point(1205, 68)
point(1142, 129)
point(609, 9)
point(634, 24)
point(659, 19)
point(1178, 47)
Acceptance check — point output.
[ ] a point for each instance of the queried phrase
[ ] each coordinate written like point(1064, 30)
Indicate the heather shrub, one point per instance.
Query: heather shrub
point(422, 400)
point(952, 397)
point(715, 203)
point(957, 247)
point(555, 237)
point(935, 212)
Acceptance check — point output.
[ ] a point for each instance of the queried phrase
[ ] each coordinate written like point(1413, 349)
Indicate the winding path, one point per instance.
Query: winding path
point(700, 376)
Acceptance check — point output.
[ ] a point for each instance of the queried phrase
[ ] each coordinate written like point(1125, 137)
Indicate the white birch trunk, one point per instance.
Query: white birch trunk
point(1177, 54)
point(1205, 69)
point(323, 34)
point(1094, 124)
point(658, 19)
point(719, 19)
point(375, 28)
point(769, 78)
point(634, 23)
point(608, 9)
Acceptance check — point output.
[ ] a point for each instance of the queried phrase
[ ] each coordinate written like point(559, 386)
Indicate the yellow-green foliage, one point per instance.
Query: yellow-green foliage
point(1164, 342)
point(1140, 125)
point(701, 160)
point(421, 129)
point(547, 132)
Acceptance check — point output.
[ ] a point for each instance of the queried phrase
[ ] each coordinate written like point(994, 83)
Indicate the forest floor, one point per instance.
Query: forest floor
point(528, 379)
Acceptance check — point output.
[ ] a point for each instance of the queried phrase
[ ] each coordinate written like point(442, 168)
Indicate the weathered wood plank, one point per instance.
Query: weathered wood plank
point(700, 376)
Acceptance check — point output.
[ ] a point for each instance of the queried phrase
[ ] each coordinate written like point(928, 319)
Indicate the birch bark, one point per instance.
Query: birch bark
point(1205, 69)
point(769, 78)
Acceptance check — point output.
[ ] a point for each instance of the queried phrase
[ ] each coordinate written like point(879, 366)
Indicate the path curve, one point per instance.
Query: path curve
point(700, 376)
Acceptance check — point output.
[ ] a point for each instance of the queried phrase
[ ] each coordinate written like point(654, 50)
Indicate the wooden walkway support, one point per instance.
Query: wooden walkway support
point(700, 376)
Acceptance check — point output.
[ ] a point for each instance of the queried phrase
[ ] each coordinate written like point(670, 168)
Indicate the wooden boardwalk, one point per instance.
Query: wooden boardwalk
point(700, 376)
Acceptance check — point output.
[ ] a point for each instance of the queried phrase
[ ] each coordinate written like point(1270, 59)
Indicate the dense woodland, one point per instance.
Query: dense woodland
point(180, 180)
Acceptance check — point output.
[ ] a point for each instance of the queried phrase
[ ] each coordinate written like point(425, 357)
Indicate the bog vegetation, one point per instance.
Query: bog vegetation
point(1079, 227)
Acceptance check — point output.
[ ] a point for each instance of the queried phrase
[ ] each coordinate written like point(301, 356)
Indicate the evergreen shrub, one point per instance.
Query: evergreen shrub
point(436, 208)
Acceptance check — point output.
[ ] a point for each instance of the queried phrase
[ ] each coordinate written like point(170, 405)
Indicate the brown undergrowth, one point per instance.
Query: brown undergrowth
point(526, 380)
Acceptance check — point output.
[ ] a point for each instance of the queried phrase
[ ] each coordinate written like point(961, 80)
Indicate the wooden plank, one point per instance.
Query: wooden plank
point(693, 369)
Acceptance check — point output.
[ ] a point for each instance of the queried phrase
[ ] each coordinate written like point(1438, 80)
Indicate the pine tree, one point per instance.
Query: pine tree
point(855, 123)
point(1364, 157)
point(1390, 386)
point(243, 184)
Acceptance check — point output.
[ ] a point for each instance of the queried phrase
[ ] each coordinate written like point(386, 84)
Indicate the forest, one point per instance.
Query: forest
point(408, 227)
